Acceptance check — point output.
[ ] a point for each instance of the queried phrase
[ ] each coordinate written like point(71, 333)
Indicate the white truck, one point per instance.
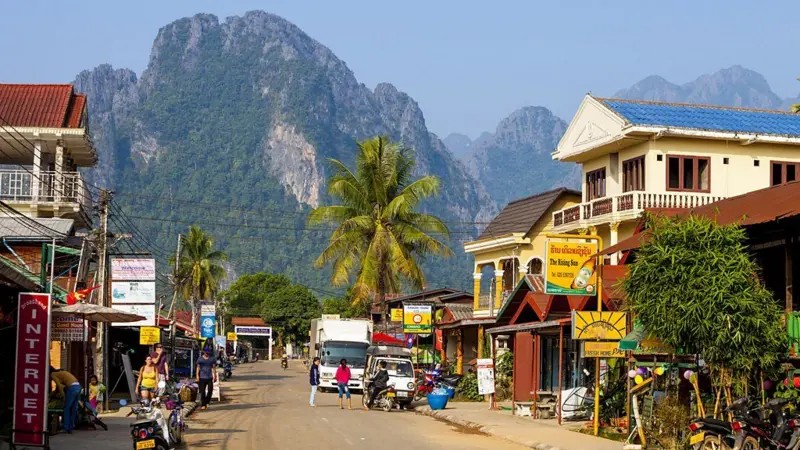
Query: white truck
point(335, 339)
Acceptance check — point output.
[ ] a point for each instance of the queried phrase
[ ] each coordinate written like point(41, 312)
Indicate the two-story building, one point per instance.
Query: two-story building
point(638, 155)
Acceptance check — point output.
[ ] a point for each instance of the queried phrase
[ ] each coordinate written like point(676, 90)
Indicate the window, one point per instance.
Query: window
point(596, 184)
point(535, 266)
point(784, 172)
point(688, 173)
point(633, 174)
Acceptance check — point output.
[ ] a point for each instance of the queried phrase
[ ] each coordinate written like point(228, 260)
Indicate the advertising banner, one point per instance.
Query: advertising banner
point(570, 268)
point(602, 349)
point(417, 319)
point(67, 329)
point(253, 331)
point(32, 370)
point(219, 340)
point(485, 376)
point(397, 314)
point(146, 311)
point(231, 336)
point(599, 326)
point(208, 309)
point(208, 326)
point(133, 291)
point(123, 269)
point(149, 335)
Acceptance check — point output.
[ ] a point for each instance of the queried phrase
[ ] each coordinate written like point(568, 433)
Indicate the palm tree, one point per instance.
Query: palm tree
point(379, 235)
point(199, 268)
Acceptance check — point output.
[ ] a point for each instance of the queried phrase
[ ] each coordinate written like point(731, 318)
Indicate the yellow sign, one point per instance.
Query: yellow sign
point(600, 326)
point(149, 335)
point(417, 319)
point(571, 268)
point(231, 336)
point(397, 315)
point(607, 349)
point(653, 346)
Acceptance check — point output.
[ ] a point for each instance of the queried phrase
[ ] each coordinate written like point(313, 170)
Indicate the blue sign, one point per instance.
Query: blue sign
point(208, 326)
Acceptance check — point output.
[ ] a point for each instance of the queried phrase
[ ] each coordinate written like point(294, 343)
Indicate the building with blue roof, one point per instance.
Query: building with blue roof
point(637, 155)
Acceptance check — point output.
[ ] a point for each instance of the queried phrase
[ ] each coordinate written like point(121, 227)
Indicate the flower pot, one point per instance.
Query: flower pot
point(437, 401)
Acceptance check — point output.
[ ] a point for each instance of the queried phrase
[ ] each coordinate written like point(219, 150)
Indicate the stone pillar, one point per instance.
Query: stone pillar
point(614, 227)
point(459, 353)
point(480, 341)
point(476, 289)
point(498, 283)
point(58, 181)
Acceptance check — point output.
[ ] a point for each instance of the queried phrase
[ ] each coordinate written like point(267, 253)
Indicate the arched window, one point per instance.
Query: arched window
point(535, 266)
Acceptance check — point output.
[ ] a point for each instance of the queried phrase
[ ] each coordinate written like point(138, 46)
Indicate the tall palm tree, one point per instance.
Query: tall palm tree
point(199, 268)
point(379, 235)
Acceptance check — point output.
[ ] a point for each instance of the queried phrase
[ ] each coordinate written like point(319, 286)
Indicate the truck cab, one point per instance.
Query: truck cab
point(399, 367)
point(331, 352)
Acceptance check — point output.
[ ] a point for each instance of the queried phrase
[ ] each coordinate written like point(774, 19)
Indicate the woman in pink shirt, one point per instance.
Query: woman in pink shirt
point(342, 381)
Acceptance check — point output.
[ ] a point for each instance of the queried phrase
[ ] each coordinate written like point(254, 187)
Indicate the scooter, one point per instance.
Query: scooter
point(151, 430)
point(284, 363)
point(771, 430)
point(386, 399)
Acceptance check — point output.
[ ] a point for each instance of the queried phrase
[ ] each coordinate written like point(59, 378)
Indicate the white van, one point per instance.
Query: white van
point(399, 367)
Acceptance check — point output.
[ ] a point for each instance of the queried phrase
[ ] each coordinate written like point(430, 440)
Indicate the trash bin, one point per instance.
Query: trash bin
point(451, 392)
point(438, 401)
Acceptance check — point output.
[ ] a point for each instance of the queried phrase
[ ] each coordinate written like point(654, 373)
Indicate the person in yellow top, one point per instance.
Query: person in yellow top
point(96, 390)
point(69, 387)
point(148, 379)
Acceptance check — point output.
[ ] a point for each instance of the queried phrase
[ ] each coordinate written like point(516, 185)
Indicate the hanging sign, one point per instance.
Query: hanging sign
point(602, 349)
point(485, 376)
point(133, 269)
point(397, 314)
point(208, 309)
point(208, 326)
point(149, 335)
point(146, 311)
point(67, 329)
point(231, 336)
point(599, 325)
point(417, 319)
point(133, 291)
point(32, 370)
point(570, 268)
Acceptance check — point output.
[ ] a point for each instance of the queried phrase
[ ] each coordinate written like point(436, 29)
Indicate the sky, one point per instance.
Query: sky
point(467, 63)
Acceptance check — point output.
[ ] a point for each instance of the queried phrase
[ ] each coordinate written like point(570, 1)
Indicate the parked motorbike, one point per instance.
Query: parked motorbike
point(713, 434)
point(385, 400)
point(227, 369)
point(769, 431)
point(284, 363)
point(151, 429)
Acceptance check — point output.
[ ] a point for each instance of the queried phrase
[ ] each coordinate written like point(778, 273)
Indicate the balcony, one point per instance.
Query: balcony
point(486, 305)
point(628, 206)
point(65, 194)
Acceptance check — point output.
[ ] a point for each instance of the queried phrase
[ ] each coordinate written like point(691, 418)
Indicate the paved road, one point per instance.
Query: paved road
point(267, 407)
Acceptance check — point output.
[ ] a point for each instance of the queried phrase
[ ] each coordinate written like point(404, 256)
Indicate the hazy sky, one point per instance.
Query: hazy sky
point(467, 63)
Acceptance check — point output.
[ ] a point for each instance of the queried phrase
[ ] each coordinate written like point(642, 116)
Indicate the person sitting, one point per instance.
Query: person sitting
point(378, 383)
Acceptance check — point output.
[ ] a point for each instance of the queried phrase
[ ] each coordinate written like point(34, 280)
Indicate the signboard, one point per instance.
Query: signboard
point(570, 268)
point(253, 331)
point(219, 340)
point(67, 329)
point(149, 335)
point(599, 326)
point(146, 311)
point(208, 309)
point(417, 319)
point(208, 326)
point(133, 269)
point(397, 314)
point(603, 349)
point(231, 336)
point(331, 317)
point(653, 346)
point(485, 376)
point(32, 370)
point(133, 291)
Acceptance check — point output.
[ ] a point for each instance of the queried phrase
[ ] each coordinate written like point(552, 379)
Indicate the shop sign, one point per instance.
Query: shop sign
point(231, 336)
point(146, 311)
point(123, 269)
point(219, 340)
point(603, 349)
point(570, 268)
point(67, 329)
point(149, 335)
point(397, 314)
point(485, 376)
point(599, 325)
point(208, 326)
point(417, 319)
point(253, 331)
point(31, 370)
point(653, 346)
point(133, 291)
point(208, 309)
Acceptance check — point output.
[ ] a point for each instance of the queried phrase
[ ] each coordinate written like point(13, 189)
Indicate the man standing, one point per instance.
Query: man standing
point(69, 387)
point(314, 380)
point(206, 377)
point(379, 383)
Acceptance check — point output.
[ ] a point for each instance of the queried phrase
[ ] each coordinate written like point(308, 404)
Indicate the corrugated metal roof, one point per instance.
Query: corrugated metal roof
point(11, 227)
point(705, 117)
point(41, 105)
point(248, 322)
point(460, 312)
point(521, 215)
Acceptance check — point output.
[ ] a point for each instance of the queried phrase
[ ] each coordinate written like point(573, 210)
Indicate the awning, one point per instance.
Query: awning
point(640, 343)
point(466, 323)
point(529, 326)
point(631, 340)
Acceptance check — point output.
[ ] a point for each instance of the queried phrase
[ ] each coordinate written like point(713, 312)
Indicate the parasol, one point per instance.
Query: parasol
point(96, 313)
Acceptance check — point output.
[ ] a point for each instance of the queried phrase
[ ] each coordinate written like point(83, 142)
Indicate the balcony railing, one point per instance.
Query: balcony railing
point(626, 206)
point(20, 186)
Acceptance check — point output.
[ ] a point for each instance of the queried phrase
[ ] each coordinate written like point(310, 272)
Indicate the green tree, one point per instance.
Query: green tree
point(289, 311)
point(345, 306)
point(380, 236)
point(694, 286)
point(246, 294)
point(199, 269)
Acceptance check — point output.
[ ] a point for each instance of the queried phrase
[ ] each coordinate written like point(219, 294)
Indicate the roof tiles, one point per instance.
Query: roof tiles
point(41, 105)
point(521, 215)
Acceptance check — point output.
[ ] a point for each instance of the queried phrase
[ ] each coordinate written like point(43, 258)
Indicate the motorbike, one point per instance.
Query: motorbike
point(770, 430)
point(426, 383)
point(152, 430)
point(715, 434)
point(284, 363)
point(386, 399)
point(227, 369)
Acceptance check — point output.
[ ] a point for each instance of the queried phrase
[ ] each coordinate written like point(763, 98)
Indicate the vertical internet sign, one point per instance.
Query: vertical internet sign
point(32, 378)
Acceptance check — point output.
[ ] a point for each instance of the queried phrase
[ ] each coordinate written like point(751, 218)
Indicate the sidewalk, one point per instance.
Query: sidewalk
point(541, 435)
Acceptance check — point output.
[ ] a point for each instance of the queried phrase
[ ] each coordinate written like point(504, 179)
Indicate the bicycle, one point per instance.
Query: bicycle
point(175, 421)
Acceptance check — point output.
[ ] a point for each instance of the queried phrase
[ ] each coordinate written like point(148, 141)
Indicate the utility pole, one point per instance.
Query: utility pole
point(101, 359)
point(170, 317)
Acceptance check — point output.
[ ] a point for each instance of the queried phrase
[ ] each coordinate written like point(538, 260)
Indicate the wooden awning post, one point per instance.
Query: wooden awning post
point(789, 279)
point(459, 353)
point(560, 365)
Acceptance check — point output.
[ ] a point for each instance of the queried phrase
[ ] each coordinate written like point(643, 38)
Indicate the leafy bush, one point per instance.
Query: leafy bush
point(467, 389)
point(505, 374)
point(669, 424)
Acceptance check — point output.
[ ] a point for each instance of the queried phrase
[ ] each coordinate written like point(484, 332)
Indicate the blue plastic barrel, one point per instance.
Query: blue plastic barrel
point(437, 401)
point(451, 392)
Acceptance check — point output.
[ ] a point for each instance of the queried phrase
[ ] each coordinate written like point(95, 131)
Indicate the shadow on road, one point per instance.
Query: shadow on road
point(258, 377)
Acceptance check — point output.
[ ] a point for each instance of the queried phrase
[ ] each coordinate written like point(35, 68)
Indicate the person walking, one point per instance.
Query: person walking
point(148, 378)
point(313, 378)
point(161, 365)
point(70, 389)
point(206, 377)
point(342, 382)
